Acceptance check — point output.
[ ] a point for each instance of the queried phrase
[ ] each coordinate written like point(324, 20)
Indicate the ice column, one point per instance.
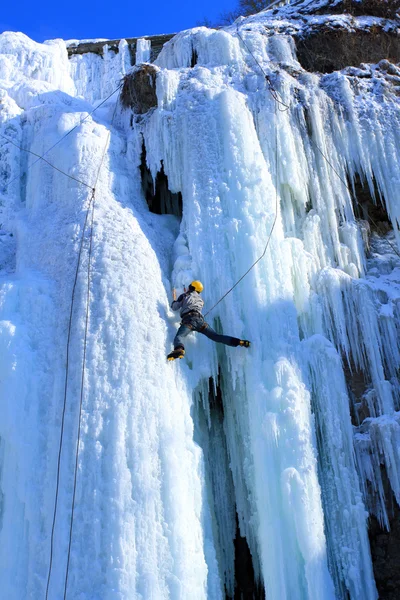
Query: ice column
point(143, 51)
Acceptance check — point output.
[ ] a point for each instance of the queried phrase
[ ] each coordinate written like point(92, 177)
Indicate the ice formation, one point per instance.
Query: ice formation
point(173, 458)
point(143, 51)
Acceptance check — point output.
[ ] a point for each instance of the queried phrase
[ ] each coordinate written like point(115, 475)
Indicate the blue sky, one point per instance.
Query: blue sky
point(67, 19)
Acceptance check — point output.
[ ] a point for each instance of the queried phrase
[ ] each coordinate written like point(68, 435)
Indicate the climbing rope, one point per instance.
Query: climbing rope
point(90, 210)
point(91, 206)
point(273, 224)
point(65, 395)
point(278, 102)
point(93, 201)
point(275, 95)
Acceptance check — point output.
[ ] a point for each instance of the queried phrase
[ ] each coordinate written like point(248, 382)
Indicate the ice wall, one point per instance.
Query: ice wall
point(142, 521)
point(154, 518)
point(232, 122)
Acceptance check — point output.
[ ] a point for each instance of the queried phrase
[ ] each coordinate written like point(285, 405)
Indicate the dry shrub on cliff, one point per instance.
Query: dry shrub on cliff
point(139, 89)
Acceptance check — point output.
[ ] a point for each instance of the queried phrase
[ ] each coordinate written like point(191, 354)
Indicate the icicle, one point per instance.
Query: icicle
point(345, 515)
point(152, 498)
point(143, 50)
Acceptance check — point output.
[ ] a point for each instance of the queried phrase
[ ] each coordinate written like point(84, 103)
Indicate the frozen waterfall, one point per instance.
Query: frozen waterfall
point(177, 461)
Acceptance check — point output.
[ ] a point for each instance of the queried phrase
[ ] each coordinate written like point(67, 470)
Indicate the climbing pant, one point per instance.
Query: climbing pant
point(195, 322)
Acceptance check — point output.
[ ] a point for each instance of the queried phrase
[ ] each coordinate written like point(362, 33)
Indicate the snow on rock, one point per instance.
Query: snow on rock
point(155, 516)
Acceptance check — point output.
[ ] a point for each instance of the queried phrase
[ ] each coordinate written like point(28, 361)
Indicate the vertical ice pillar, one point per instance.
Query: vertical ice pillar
point(345, 514)
point(286, 489)
point(143, 51)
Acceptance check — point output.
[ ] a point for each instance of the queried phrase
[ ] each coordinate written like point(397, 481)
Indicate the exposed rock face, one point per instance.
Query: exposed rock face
point(159, 198)
point(327, 49)
point(385, 551)
point(224, 140)
point(246, 587)
point(387, 9)
point(377, 8)
point(331, 44)
point(330, 36)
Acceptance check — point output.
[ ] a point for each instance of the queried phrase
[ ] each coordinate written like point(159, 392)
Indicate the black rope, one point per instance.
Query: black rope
point(81, 395)
point(273, 224)
point(41, 157)
point(82, 121)
point(65, 393)
point(90, 209)
point(345, 183)
point(84, 352)
point(275, 96)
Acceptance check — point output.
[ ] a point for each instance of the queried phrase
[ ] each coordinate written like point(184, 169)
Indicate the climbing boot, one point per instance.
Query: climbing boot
point(244, 343)
point(177, 353)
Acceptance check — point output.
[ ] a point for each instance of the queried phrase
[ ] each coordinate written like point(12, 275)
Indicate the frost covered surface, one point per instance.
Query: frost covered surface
point(162, 474)
point(143, 50)
point(141, 515)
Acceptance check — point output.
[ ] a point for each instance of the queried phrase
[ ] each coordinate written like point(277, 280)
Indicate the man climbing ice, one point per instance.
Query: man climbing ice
point(191, 304)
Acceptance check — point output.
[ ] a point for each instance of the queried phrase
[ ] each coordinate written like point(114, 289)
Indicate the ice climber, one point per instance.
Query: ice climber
point(191, 304)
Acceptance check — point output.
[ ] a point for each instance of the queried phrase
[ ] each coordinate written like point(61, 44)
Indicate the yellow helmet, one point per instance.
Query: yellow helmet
point(197, 285)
